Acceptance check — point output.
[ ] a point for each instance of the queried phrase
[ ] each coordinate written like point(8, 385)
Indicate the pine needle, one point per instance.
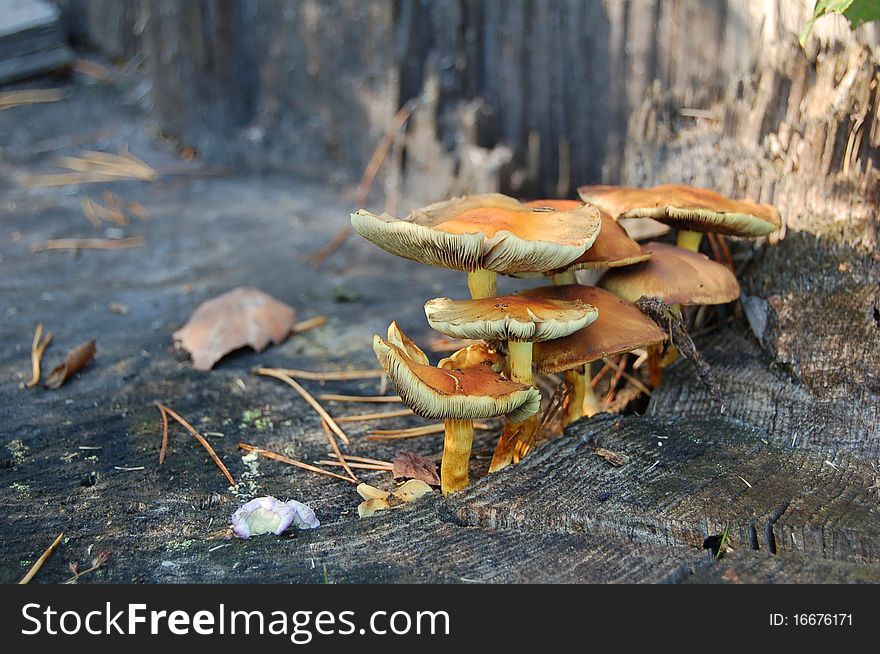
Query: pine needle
point(292, 462)
point(201, 439)
point(277, 374)
point(35, 568)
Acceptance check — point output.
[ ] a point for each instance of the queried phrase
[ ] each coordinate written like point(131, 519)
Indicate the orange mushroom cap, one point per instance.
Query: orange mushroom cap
point(686, 207)
point(675, 275)
point(620, 327)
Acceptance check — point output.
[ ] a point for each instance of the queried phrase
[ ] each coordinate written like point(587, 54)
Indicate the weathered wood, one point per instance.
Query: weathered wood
point(31, 39)
point(686, 480)
point(747, 567)
point(771, 400)
point(554, 81)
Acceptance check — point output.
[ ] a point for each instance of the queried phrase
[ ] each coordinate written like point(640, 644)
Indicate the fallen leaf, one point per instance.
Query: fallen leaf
point(243, 316)
point(415, 466)
point(76, 359)
point(614, 458)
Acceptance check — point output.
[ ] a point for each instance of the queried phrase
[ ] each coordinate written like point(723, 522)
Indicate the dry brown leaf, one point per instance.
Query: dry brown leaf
point(75, 359)
point(243, 316)
point(415, 466)
point(614, 458)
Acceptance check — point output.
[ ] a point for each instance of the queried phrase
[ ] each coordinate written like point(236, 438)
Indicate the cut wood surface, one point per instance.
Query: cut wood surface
point(685, 480)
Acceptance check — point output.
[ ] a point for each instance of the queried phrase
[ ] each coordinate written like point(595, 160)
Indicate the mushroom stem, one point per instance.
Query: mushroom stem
point(519, 360)
point(689, 240)
point(459, 438)
point(483, 283)
point(565, 277)
point(655, 369)
point(576, 378)
point(591, 405)
point(519, 363)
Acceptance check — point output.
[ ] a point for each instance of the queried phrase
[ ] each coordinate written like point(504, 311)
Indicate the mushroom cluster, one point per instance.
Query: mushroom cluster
point(560, 328)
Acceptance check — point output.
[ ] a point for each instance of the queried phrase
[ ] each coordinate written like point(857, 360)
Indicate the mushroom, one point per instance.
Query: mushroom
point(611, 249)
point(483, 235)
point(691, 210)
point(620, 327)
point(678, 277)
point(520, 320)
point(457, 396)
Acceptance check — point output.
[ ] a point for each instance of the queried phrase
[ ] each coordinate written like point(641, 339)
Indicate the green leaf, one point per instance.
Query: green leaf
point(862, 11)
point(855, 11)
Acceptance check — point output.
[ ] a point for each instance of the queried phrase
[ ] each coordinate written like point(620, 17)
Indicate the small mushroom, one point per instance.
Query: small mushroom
point(691, 210)
point(457, 397)
point(678, 277)
point(620, 328)
point(520, 320)
point(612, 248)
point(483, 235)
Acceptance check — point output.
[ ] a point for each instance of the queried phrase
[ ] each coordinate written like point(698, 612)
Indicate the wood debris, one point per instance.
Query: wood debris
point(340, 375)
point(89, 244)
point(10, 99)
point(92, 166)
point(411, 432)
point(380, 415)
point(614, 458)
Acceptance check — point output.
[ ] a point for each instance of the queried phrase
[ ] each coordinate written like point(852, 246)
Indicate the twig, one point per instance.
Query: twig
point(37, 349)
point(335, 447)
point(359, 466)
point(164, 448)
point(88, 209)
point(332, 397)
point(658, 311)
point(598, 377)
point(201, 439)
point(367, 179)
point(445, 344)
point(10, 99)
point(412, 432)
point(341, 375)
point(306, 325)
point(89, 244)
point(615, 380)
point(293, 462)
point(35, 568)
point(633, 380)
point(272, 372)
point(381, 415)
point(364, 459)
